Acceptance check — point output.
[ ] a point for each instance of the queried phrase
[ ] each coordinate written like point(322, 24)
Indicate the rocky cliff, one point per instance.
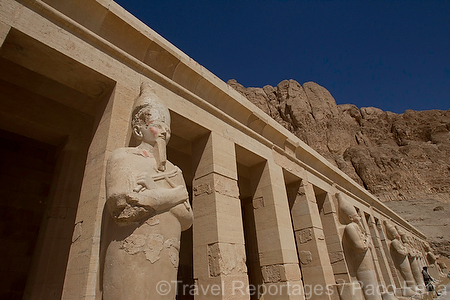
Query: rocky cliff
point(397, 157)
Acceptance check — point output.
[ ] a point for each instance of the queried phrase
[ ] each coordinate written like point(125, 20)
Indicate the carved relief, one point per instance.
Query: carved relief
point(203, 188)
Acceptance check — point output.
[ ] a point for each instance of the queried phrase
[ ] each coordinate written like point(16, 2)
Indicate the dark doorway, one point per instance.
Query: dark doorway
point(26, 170)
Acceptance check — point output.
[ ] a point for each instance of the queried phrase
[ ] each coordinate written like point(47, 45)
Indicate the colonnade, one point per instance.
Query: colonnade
point(284, 231)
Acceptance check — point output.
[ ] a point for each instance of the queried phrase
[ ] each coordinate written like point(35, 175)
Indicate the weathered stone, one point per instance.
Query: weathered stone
point(258, 202)
point(271, 273)
point(336, 257)
point(400, 156)
point(204, 188)
point(304, 235)
point(226, 259)
point(305, 257)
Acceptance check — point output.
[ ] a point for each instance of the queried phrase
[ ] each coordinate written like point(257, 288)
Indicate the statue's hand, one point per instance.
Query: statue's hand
point(144, 181)
point(181, 192)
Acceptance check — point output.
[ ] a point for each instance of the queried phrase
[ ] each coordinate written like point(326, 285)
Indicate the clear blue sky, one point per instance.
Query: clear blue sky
point(394, 55)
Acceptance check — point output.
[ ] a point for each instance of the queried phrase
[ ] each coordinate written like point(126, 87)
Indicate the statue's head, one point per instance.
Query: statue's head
point(151, 124)
point(347, 210)
point(391, 231)
point(427, 246)
point(402, 234)
point(150, 116)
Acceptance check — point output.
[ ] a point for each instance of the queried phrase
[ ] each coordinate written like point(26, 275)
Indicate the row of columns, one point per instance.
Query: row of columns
point(290, 232)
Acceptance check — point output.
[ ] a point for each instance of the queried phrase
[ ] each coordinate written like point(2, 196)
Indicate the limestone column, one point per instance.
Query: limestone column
point(82, 280)
point(220, 271)
point(311, 246)
point(382, 260)
point(333, 240)
point(373, 252)
point(387, 255)
point(275, 239)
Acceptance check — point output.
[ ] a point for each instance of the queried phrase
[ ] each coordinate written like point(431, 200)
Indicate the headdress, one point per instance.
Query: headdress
point(400, 231)
point(346, 208)
point(154, 108)
point(390, 230)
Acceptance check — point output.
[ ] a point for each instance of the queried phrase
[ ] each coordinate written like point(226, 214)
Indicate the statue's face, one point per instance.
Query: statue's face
point(152, 131)
point(355, 218)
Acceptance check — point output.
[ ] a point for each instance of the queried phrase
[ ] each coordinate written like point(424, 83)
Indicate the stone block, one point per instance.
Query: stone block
point(277, 256)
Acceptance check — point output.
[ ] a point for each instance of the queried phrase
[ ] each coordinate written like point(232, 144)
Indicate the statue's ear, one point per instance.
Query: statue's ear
point(137, 132)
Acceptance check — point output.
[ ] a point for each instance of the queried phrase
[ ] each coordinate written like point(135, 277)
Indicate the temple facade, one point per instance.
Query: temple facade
point(272, 218)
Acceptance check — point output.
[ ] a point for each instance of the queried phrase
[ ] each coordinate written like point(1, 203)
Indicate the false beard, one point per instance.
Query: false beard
point(159, 151)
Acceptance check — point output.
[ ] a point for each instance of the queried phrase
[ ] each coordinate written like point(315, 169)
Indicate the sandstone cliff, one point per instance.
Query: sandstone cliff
point(394, 156)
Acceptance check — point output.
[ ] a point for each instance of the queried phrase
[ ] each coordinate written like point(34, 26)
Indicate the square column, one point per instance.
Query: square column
point(372, 250)
point(330, 223)
point(312, 249)
point(220, 271)
point(276, 244)
point(385, 245)
point(389, 280)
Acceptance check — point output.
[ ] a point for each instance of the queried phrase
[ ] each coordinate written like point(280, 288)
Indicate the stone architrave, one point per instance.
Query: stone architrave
point(356, 243)
point(399, 254)
point(147, 207)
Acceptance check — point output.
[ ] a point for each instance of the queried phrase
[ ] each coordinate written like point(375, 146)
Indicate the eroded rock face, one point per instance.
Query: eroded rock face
point(394, 156)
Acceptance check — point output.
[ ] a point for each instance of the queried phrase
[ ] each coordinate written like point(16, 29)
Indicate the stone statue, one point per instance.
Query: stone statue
point(431, 258)
point(443, 267)
point(356, 244)
point(399, 254)
point(433, 267)
point(148, 207)
point(413, 257)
